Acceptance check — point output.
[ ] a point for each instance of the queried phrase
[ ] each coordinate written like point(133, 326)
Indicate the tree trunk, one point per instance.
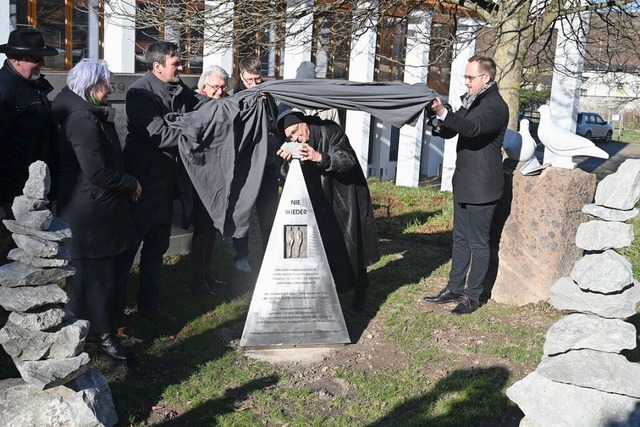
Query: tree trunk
point(514, 38)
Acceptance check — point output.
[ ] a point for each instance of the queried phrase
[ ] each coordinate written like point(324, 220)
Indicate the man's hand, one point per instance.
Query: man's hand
point(438, 107)
point(137, 193)
point(286, 155)
point(309, 154)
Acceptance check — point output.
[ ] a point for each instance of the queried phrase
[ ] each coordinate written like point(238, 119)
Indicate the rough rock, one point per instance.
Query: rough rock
point(27, 204)
point(582, 331)
point(58, 230)
point(540, 215)
point(23, 257)
point(28, 298)
point(39, 220)
point(36, 246)
point(39, 181)
point(608, 214)
point(24, 344)
point(40, 320)
point(608, 372)
point(88, 406)
point(52, 372)
point(18, 274)
point(546, 403)
point(567, 295)
point(621, 189)
point(606, 272)
point(599, 235)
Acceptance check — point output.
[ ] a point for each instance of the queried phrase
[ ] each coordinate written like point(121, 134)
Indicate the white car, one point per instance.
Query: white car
point(592, 126)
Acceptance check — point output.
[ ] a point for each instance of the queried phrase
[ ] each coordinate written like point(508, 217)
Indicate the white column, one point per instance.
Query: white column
point(361, 67)
point(410, 147)
point(6, 25)
point(465, 49)
point(120, 35)
point(219, 22)
point(93, 39)
point(297, 45)
point(567, 74)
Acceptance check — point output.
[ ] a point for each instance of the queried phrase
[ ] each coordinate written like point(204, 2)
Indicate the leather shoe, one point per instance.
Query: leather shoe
point(108, 346)
point(156, 313)
point(466, 306)
point(443, 297)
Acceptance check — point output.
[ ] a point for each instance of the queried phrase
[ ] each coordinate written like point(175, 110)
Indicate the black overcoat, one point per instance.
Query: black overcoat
point(94, 194)
point(478, 175)
point(342, 204)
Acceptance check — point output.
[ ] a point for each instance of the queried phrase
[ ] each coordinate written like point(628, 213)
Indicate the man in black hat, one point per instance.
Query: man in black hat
point(340, 197)
point(27, 130)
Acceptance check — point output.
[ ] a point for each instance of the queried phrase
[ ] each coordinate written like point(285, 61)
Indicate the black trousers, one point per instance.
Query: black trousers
point(202, 241)
point(266, 207)
point(470, 257)
point(91, 292)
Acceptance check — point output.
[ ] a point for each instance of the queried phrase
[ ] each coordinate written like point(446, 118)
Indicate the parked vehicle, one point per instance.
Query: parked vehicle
point(592, 126)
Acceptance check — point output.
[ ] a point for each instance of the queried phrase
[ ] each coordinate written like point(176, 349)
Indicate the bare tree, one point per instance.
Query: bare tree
point(518, 33)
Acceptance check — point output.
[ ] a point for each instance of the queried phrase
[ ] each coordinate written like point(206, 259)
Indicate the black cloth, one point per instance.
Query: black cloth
point(478, 183)
point(478, 175)
point(27, 133)
point(27, 130)
point(94, 194)
point(342, 205)
point(91, 290)
point(213, 135)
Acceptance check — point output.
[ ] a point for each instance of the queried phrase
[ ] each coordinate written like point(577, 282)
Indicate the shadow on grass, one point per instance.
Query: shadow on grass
point(466, 397)
point(415, 256)
point(205, 413)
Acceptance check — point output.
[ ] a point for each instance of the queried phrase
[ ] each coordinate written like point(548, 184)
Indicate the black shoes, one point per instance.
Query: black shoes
point(443, 297)
point(108, 345)
point(466, 306)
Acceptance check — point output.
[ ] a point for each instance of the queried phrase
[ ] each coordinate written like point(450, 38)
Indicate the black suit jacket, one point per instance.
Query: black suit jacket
point(478, 175)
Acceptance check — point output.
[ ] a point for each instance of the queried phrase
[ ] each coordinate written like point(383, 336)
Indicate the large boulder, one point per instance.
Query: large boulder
point(536, 246)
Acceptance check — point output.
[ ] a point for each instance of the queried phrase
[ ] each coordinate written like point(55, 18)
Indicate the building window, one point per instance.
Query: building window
point(332, 44)
point(258, 28)
point(440, 57)
point(391, 49)
point(64, 25)
point(163, 21)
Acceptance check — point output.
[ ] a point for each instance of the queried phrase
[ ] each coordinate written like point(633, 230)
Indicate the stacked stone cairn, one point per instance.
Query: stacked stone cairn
point(583, 379)
point(44, 340)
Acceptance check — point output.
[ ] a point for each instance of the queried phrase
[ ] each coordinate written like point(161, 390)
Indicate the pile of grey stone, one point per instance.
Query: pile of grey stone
point(583, 379)
point(44, 340)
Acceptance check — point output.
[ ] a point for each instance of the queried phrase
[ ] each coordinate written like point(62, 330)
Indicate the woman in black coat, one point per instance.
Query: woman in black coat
point(94, 197)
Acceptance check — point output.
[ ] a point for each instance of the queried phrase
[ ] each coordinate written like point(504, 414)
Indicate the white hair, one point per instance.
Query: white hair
point(86, 74)
point(216, 70)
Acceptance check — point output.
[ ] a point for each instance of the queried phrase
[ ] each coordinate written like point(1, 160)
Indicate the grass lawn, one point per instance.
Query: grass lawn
point(411, 364)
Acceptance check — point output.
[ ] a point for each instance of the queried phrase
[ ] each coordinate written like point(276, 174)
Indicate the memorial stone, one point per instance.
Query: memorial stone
point(295, 301)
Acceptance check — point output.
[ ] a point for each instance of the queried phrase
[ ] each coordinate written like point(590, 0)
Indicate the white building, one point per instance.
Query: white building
point(396, 50)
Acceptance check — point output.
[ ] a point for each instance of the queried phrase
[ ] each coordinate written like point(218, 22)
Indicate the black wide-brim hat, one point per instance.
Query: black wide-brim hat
point(27, 41)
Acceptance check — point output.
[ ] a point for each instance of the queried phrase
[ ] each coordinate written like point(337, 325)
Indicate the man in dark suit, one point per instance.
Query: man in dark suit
point(478, 181)
point(151, 155)
point(27, 130)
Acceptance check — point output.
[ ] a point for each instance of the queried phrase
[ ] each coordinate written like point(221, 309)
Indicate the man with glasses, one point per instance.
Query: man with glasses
point(27, 130)
point(480, 124)
point(267, 201)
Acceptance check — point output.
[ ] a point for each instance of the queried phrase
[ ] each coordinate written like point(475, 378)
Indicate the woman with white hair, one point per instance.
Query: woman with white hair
point(94, 197)
point(214, 82)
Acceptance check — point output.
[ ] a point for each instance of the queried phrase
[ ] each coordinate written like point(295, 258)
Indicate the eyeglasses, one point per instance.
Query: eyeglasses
point(216, 88)
point(255, 80)
point(293, 135)
point(472, 78)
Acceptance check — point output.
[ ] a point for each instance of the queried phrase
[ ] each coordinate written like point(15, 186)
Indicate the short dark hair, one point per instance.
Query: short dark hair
point(158, 51)
point(486, 64)
point(250, 64)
